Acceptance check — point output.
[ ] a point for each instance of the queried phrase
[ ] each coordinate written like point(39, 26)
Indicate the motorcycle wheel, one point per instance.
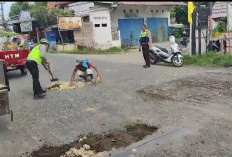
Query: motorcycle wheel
point(153, 58)
point(177, 62)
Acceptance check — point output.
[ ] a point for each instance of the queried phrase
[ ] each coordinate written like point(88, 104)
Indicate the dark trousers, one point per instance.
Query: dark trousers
point(33, 69)
point(146, 54)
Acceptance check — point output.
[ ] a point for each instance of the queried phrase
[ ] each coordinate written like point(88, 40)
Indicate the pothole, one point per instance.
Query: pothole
point(94, 145)
point(198, 89)
point(65, 85)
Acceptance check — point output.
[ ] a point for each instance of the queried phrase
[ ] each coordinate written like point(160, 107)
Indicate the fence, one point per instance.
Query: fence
point(225, 45)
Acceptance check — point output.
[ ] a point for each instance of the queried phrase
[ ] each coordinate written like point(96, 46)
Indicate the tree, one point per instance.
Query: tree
point(17, 7)
point(45, 16)
point(180, 13)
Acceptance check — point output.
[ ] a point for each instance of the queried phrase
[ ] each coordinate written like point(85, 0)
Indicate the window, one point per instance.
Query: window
point(104, 25)
point(97, 25)
point(157, 11)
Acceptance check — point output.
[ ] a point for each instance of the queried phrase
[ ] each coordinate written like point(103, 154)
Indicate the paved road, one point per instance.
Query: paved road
point(64, 115)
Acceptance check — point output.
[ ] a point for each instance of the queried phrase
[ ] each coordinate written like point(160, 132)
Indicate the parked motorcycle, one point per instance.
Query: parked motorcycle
point(216, 45)
point(159, 54)
point(183, 41)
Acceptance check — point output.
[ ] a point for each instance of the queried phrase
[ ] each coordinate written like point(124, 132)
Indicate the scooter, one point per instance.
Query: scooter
point(216, 46)
point(159, 54)
point(183, 41)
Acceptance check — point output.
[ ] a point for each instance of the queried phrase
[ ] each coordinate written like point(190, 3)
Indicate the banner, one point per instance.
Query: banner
point(26, 26)
point(190, 11)
point(70, 23)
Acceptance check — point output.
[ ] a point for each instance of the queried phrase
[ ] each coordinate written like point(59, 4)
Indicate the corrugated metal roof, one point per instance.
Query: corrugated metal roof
point(152, 3)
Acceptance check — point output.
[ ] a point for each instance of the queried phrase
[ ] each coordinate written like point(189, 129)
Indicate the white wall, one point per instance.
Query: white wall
point(143, 12)
point(101, 35)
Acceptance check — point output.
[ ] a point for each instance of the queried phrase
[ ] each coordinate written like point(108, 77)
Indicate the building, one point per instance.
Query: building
point(109, 24)
point(25, 24)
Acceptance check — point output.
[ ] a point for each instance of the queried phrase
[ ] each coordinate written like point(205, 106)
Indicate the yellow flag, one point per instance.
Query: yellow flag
point(190, 11)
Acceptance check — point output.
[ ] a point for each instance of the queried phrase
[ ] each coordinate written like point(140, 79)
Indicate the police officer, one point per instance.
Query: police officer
point(145, 43)
point(35, 58)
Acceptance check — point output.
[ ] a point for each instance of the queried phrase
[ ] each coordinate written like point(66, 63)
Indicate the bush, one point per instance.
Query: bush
point(210, 59)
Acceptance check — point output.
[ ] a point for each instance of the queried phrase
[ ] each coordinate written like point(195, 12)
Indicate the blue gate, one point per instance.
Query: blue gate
point(158, 28)
point(130, 31)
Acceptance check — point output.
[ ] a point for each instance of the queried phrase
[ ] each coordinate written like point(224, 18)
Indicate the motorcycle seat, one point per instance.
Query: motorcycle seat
point(162, 49)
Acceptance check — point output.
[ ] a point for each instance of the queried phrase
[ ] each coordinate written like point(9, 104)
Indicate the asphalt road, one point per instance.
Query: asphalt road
point(63, 115)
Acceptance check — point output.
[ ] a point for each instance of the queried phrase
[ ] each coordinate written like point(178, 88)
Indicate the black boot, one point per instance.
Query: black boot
point(146, 66)
point(39, 96)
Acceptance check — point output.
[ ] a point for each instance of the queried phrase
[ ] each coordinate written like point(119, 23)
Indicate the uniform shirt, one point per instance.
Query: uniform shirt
point(150, 40)
point(43, 50)
point(82, 68)
point(145, 38)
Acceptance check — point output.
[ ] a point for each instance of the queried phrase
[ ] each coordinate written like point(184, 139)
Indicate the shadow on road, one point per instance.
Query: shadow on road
point(15, 75)
point(4, 123)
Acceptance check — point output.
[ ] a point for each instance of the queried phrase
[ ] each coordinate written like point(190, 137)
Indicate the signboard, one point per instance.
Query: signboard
point(69, 23)
point(203, 14)
point(219, 10)
point(26, 26)
point(24, 16)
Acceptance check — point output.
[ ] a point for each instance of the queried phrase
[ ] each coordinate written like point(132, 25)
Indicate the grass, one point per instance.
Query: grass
point(210, 59)
point(113, 50)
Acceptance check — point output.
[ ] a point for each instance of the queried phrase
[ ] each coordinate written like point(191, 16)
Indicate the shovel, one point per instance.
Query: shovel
point(50, 72)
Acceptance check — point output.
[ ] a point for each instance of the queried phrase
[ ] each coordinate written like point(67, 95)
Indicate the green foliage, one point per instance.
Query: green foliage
point(40, 11)
point(46, 17)
point(210, 59)
point(177, 33)
point(7, 34)
point(221, 26)
point(19, 6)
point(180, 13)
point(113, 50)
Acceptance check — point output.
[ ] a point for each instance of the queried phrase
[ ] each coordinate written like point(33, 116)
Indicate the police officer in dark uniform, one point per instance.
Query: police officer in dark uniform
point(144, 42)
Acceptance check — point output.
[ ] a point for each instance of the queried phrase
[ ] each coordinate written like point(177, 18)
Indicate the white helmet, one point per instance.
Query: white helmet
point(44, 41)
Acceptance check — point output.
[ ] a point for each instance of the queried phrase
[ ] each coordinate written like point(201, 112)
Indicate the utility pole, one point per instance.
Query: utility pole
point(228, 24)
point(193, 47)
point(2, 11)
point(210, 25)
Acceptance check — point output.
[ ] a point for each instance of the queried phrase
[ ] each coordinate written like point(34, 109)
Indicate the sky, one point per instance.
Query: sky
point(6, 8)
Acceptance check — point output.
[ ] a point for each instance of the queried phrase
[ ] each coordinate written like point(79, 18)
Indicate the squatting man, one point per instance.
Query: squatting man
point(83, 70)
